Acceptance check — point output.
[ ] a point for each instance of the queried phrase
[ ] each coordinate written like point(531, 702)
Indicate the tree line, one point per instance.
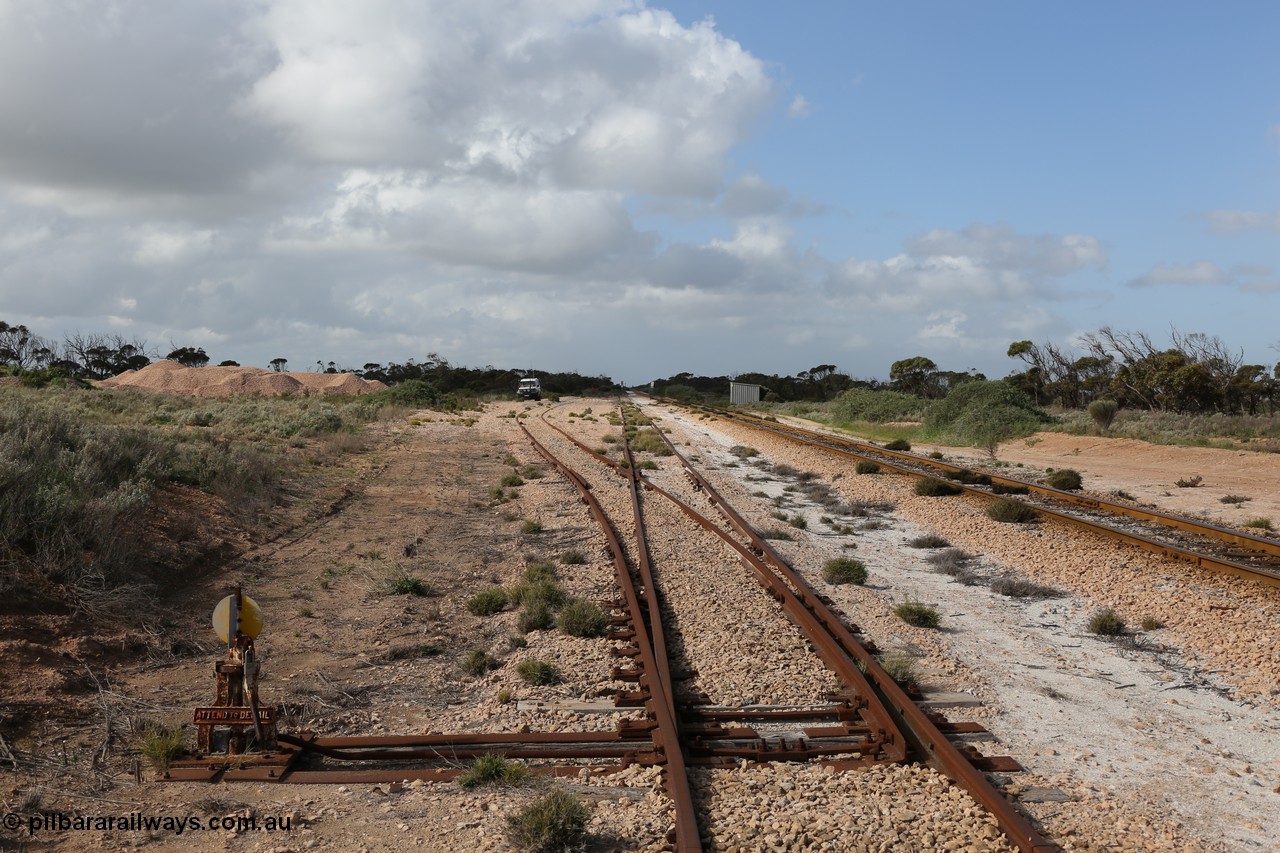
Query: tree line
point(85, 357)
point(918, 375)
point(1194, 374)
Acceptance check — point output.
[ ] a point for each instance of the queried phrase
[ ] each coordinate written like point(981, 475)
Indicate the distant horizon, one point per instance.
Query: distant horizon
point(626, 188)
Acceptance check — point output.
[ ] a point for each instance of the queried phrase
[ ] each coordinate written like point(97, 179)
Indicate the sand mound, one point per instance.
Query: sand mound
point(173, 378)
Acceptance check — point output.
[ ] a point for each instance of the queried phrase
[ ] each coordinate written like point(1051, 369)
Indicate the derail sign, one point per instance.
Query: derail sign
point(234, 716)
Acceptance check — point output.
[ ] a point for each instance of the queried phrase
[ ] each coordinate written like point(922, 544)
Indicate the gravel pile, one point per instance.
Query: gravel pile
point(174, 378)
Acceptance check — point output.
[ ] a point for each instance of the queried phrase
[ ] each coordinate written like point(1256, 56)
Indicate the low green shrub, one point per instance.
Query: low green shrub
point(1151, 623)
point(898, 444)
point(1103, 413)
point(650, 441)
point(538, 672)
point(478, 662)
point(1016, 587)
point(160, 745)
point(581, 618)
point(487, 602)
point(1066, 479)
point(931, 487)
point(573, 558)
point(964, 475)
point(542, 590)
point(539, 570)
point(1188, 482)
point(531, 526)
point(954, 563)
point(901, 667)
point(862, 404)
point(866, 466)
point(918, 614)
point(1261, 523)
point(553, 823)
point(411, 651)
point(1010, 511)
point(494, 769)
point(403, 582)
point(1106, 622)
point(929, 540)
point(842, 570)
point(535, 616)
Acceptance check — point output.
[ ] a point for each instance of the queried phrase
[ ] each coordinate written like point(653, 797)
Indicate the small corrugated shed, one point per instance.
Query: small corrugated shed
point(741, 393)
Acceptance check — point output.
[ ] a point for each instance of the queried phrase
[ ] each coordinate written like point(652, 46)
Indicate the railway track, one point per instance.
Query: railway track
point(1189, 540)
point(902, 730)
point(866, 718)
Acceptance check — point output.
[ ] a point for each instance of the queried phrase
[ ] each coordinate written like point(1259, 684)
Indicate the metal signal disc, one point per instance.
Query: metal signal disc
point(250, 618)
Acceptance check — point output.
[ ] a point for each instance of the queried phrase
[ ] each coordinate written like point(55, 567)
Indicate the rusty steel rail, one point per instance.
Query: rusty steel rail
point(646, 620)
point(1262, 546)
point(925, 736)
point(839, 658)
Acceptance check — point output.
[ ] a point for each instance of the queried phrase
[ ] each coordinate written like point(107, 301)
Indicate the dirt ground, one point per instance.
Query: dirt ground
point(1149, 472)
point(345, 654)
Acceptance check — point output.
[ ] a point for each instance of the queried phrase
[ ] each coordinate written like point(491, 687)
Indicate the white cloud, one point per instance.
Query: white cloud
point(1240, 221)
point(750, 195)
point(156, 245)
point(757, 242)
point(998, 246)
point(943, 324)
point(988, 263)
point(799, 108)
point(1199, 272)
point(470, 222)
point(596, 95)
point(26, 238)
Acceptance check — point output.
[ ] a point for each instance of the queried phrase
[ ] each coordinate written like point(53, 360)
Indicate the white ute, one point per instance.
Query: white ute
point(530, 389)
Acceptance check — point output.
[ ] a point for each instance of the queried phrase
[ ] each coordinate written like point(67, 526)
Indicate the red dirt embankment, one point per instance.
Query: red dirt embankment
point(230, 381)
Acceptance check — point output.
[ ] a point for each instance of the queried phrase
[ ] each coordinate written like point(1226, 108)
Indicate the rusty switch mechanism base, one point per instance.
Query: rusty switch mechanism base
point(235, 737)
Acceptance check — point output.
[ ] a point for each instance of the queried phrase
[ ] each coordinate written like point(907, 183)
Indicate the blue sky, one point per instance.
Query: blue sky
point(637, 190)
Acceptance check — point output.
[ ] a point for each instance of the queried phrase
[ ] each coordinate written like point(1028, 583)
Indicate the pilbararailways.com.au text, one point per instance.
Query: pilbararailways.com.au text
point(48, 822)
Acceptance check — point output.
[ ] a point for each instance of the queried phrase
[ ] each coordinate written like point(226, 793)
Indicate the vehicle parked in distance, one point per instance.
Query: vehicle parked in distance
point(530, 389)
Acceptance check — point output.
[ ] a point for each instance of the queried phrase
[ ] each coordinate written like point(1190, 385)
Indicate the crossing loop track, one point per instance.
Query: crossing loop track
point(1205, 545)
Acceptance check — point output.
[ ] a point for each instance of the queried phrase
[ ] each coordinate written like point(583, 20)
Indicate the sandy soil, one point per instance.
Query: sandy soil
point(1126, 747)
point(1149, 472)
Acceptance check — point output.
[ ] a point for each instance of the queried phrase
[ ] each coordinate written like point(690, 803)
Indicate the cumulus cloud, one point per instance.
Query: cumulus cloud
point(1199, 272)
point(312, 179)
point(128, 100)
point(943, 324)
point(1241, 221)
point(472, 222)
point(595, 95)
point(750, 195)
point(209, 108)
point(156, 245)
point(1000, 247)
point(982, 262)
